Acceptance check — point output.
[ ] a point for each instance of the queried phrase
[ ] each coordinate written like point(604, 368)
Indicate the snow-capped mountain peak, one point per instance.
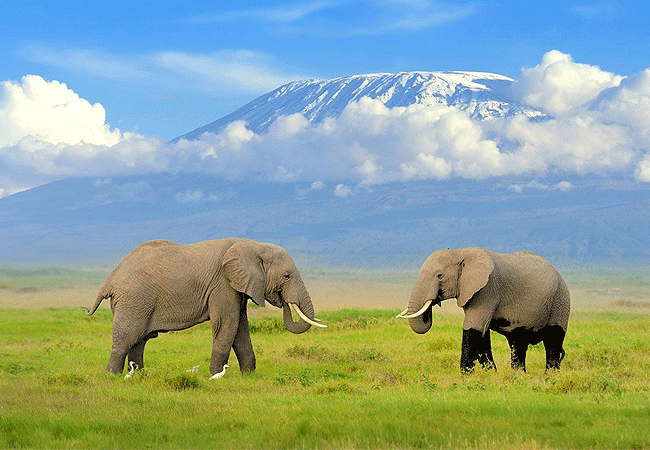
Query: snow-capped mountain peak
point(482, 95)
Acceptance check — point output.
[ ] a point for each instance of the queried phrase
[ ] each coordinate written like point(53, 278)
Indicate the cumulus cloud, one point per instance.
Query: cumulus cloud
point(50, 112)
point(602, 129)
point(642, 172)
point(48, 131)
point(559, 85)
point(341, 190)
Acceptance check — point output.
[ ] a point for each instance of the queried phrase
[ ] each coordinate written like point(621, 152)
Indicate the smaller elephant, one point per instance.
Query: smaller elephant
point(519, 295)
point(163, 286)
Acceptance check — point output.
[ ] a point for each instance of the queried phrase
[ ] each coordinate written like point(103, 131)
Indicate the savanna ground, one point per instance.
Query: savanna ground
point(367, 381)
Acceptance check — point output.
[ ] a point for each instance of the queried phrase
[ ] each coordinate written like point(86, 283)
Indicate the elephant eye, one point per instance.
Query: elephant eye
point(287, 276)
point(440, 276)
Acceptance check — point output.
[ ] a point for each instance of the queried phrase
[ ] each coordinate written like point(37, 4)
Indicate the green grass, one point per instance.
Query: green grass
point(367, 381)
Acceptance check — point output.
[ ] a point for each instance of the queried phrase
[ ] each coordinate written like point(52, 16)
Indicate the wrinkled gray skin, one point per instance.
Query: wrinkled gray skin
point(163, 286)
point(518, 295)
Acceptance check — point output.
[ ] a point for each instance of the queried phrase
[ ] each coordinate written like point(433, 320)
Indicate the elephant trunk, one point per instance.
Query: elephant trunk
point(303, 307)
point(422, 292)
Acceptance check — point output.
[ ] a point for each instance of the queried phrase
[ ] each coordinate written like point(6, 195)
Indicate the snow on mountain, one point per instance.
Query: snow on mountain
point(482, 95)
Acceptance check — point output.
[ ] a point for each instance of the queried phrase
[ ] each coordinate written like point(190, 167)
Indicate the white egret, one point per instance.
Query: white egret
point(132, 367)
point(218, 375)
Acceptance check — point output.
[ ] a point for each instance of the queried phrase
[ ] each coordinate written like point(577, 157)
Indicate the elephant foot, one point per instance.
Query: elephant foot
point(476, 346)
point(518, 340)
point(553, 361)
point(554, 338)
point(116, 362)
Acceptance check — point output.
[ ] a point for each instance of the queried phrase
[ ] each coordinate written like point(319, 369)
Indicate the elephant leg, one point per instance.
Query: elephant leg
point(136, 355)
point(553, 340)
point(223, 338)
point(485, 357)
point(224, 315)
point(242, 345)
point(472, 345)
point(125, 337)
point(116, 360)
point(518, 342)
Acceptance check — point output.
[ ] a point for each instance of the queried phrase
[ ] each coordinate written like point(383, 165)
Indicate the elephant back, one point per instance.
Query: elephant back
point(117, 275)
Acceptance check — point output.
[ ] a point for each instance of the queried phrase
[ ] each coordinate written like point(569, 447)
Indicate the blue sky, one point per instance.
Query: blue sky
point(158, 69)
point(165, 67)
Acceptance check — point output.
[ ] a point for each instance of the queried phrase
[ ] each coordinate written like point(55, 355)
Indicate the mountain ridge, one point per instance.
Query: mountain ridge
point(483, 95)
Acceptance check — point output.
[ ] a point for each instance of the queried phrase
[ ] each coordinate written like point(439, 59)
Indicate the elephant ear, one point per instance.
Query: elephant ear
point(476, 265)
point(242, 264)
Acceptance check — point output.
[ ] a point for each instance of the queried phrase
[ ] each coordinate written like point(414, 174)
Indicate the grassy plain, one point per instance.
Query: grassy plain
point(367, 381)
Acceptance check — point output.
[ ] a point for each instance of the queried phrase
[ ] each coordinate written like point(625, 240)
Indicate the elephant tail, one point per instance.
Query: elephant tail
point(103, 293)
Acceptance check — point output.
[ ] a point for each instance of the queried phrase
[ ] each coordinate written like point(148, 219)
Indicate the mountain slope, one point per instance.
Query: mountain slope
point(482, 95)
point(92, 221)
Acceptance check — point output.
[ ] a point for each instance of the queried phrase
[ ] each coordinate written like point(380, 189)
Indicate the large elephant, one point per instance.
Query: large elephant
point(519, 295)
point(163, 286)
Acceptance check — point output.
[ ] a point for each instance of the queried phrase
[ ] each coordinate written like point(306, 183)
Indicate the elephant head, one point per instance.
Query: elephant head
point(444, 275)
point(266, 272)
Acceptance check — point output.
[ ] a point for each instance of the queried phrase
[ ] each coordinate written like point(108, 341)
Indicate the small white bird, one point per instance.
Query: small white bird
point(131, 370)
point(216, 376)
point(193, 369)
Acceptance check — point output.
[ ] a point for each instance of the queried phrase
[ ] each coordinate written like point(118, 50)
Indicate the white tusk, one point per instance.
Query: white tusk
point(400, 315)
point(302, 315)
point(419, 313)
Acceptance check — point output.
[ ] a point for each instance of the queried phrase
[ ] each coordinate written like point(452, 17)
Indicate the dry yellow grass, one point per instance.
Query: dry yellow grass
point(334, 289)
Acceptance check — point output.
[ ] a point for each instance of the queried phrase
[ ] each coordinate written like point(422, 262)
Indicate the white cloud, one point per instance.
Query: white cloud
point(317, 185)
point(563, 186)
point(194, 196)
point(341, 190)
point(216, 72)
point(603, 10)
point(49, 132)
point(93, 62)
point(394, 17)
point(606, 132)
point(628, 103)
point(328, 18)
point(642, 171)
point(559, 85)
point(237, 69)
point(51, 112)
point(277, 14)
